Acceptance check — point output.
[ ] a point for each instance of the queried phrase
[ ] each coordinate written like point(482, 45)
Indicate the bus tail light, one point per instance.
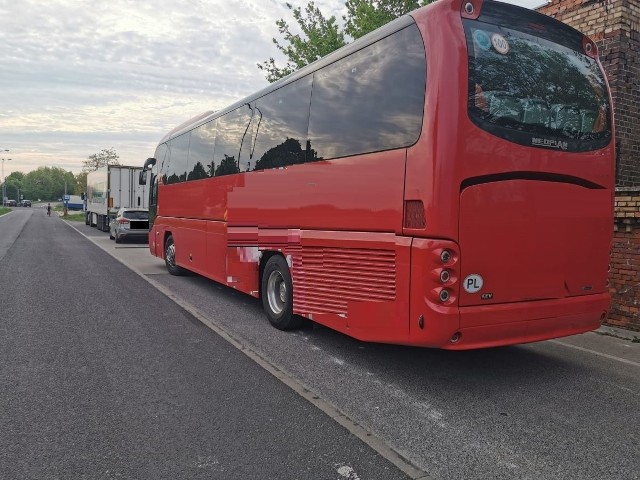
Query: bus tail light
point(589, 47)
point(471, 9)
point(444, 273)
point(444, 295)
point(445, 276)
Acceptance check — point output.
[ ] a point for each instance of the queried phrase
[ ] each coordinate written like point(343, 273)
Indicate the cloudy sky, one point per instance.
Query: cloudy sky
point(79, 76)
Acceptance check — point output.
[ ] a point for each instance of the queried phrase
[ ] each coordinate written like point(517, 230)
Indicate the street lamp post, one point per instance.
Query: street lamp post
point(4, 189)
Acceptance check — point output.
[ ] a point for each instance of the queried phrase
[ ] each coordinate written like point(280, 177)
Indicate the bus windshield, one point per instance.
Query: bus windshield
point(532, 91)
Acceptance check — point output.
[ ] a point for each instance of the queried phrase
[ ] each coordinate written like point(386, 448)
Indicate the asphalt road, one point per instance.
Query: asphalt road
point(560, 409)
point(103, 376)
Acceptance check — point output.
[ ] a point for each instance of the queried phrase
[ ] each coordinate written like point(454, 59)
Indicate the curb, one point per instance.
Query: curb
point(618, 333)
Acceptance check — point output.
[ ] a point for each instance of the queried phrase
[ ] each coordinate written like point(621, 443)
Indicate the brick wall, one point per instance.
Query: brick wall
point(624, 277)
point(615, 26)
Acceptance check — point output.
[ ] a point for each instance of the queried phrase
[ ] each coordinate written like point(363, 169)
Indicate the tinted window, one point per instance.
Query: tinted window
point(371, 100)
point(535, 92)
point(159, 155)
point(247, 141)
point(178, 159)
point(136, 215)
point(201, 151)
point(231, 131)
point(281, 119)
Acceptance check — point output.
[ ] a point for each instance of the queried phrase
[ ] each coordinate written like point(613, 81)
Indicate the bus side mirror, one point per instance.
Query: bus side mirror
point(150, 162)
point(142, 178)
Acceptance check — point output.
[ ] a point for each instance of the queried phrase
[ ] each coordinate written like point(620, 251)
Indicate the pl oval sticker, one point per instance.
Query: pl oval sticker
point(500, 43)
point(473, 283)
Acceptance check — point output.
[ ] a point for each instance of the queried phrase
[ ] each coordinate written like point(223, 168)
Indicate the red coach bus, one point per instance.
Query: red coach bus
point(444, 181)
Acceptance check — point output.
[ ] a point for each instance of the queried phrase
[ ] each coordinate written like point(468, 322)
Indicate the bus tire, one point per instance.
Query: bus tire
point(277, 294)
point(170, 257)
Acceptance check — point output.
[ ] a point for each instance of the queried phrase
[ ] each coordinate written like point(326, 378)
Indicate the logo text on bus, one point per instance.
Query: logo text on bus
point(549, 143)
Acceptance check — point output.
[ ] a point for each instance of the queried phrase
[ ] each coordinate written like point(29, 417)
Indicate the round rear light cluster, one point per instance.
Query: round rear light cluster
point(445, 276)
point(444, 295)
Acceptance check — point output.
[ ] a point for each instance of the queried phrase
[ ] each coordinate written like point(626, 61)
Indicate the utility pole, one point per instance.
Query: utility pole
point(4, 189)
point(66, 202)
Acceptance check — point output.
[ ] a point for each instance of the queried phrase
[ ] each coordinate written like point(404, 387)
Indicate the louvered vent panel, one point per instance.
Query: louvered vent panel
point(326, 279)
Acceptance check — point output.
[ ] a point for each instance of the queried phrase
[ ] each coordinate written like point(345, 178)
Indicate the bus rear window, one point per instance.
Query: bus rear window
point(535, 92)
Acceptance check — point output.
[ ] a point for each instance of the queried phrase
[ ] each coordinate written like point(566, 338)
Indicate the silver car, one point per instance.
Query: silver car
point(130, 223)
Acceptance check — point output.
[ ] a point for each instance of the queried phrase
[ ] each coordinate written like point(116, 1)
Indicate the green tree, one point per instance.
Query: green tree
point(14, 184)
point(48, 183)
point(321, 36)
point(364, 16)
point(81, 183)
point(104, 157)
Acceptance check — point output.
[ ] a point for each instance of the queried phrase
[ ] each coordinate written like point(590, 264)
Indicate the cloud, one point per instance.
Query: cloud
point(79, 76)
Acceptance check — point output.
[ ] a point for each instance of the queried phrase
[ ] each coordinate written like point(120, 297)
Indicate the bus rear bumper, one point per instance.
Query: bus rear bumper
point(509, 324)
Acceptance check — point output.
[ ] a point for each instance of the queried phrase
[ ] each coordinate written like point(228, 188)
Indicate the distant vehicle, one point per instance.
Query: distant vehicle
point(111, 188)
point(11, 203)
point(25, 203)
point(75, 202)
point(130, 223)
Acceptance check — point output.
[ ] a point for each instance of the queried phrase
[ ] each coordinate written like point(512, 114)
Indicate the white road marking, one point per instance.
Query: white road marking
point(599, 354)
point(285, 377)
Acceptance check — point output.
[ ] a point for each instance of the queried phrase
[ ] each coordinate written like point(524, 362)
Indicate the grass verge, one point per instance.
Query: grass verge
point(74, 217)
point(4, 210)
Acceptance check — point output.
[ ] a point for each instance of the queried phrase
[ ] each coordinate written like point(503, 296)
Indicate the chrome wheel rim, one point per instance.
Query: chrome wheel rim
point(276, 292)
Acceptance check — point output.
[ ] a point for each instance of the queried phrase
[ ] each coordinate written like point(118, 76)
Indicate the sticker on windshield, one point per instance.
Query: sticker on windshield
point(482, 39)
point(473, 283)
point(500, 43)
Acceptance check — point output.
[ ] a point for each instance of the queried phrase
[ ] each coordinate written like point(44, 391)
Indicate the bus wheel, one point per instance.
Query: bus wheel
point(170, 257)
point(277, 294)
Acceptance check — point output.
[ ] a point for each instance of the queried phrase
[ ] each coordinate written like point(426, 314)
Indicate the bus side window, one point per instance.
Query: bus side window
point(177, 171)
point(162, 160)
point(282, 119)
point(231, 131)
point(370, 100)
point(201, 151)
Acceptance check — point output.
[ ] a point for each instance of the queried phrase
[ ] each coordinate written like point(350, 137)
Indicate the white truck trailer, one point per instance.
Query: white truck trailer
point(111, 188)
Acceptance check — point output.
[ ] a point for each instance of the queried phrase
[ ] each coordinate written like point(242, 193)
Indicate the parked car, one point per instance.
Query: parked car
point(11, 203)
point(25, 203)
point(130, 223)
